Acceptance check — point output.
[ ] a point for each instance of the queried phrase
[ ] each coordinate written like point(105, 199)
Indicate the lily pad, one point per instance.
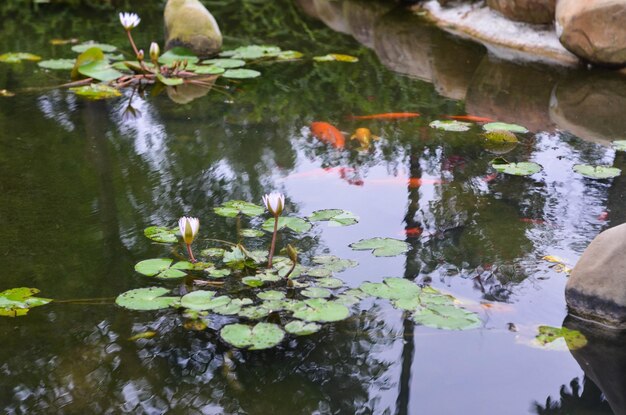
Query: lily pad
point(271, 295)
point(336, 57)
point(252, 281)
point(381, 246)
point(218, 273)
point(300, 328)
point(573, 338)
point(197, 300)
point(179, 54)
point(288, 55)
point(96, 91)
point(329, 282)
point(500, 136)
point(88, 45)
point(261, 336)
point(161, 234)
point(241, 73)
point(333, 263)
point(233, 208)
point(208, 70)
point(295, 224)
point(450, 125)
point(316, 292)
point(319, 272)
point(254, 312)
point(213, 252)
point(597, 172)
point(173, 81)
point(145, 299)
point(100, 70)
point(226, 63)
point(335, 217)
point(446, 317)
point(322, 311)
point(252, 52)
point(269, 276)
point(391, 289)
point(57, 64)
point(619, 145)
point(16, 302)
point(251, 233)
point(493, 126)
point(524, 168)
point(17, 57)
point(163, 268)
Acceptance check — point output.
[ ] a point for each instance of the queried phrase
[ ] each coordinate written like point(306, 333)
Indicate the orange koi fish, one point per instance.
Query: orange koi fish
point(470, 118)
point(413, 182)
point(385, 116)
point(413, 232)
point(489, 178)
point(328, 133)
point(364, 136)
point(603, 216)
point(342, 171)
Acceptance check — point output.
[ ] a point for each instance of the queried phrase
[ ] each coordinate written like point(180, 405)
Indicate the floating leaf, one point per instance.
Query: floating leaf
point(391, 289)
point(197, 300)
point(289, 55)
point(170, 81)
point(271, 295)
point(333, 263)
point(283, 265)
point(295, 224)
point(300, 328)
point(251, 233)
point(269, 276)
point(161, 234)
point(446, 317)
point(96, 91)
point(261, 336)
point(208, 70)
point(100, 70)
point(213, 252)
point(524, 168)
point(619, 145)
point(88, 45)
point(500, 136)
point(17, 57)
point(493, 126)
point(335, 57)
point(57, 64)
point(252, 281)
point(226, 63)
point(335, 217)
point(163, 268)
point(319, 272)
point(573, 338)
point(329, 282)
point(241, 73)
point(58, 42)
point(179, 54)
point(254, 312)
point(252, 52)
point(316, 292)
point(233, 208)
point(597, 172)
point(322, 311)
point(450, 125)
point(381, 246)
point(218, 273)
point(17, 302)
point(145, 299)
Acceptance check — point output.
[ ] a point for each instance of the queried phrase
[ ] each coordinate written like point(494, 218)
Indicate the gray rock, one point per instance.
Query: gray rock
point(596, 289)
point(189, 24)
point(593, 29)
point(529, 11)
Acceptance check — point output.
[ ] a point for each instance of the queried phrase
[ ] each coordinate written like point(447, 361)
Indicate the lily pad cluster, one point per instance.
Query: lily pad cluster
point(17, 302)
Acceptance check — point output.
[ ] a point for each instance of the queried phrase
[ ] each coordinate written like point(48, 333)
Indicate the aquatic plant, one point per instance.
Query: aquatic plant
point(274, 203)
point(189, 229)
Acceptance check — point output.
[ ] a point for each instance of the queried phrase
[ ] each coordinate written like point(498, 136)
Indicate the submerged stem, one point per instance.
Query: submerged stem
point(273, 245)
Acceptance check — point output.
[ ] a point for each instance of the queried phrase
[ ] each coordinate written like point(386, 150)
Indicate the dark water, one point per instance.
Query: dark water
point(80, 182)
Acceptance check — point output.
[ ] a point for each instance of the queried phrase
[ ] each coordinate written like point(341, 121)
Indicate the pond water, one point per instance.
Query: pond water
point(81, 181)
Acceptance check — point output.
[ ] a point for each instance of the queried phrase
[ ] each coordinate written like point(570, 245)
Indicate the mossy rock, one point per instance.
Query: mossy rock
point(189, 24)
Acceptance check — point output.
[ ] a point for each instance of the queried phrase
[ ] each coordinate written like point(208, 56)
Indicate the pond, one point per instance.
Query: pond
point(82, 180)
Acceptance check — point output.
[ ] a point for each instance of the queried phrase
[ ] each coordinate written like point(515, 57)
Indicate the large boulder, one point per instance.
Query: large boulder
point(189, 24)
point(529, 11)
point(593, 29)
point(596, 289)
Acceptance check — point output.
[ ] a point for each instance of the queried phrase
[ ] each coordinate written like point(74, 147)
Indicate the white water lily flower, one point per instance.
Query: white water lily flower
point(188, 228)
point(274, 202)
point(129, 20)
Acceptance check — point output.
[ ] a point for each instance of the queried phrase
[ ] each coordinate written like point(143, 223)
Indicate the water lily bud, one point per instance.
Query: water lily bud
point(140, 55)
point(274, 202)
point(154, 51)
point(292, 253)
point(129, 20)
point(188, 228)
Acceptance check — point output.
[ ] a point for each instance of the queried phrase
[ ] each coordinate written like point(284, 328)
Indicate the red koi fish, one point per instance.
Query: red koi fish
point(385, 116)
point(470, 118)
point(489, 178)
point(413, 232)
point(328, 133)
point(603, 216)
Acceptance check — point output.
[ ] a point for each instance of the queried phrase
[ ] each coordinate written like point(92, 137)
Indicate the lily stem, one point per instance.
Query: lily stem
point(190, 252)
point(269, 261)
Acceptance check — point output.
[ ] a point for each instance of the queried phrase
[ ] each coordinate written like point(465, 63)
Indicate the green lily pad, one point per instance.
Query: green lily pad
point(348, 299)
point(100, 70)
point(208, 70)
point(450, 125)
point(197, 300)
point(597, 172)
point(500, 136)
point(619, 145)
point(233, 208)
point(524, 168)
point(298, 225)
point(333, 263)
point(57, 64)
point(283, 265)
point(17, 302)
point(329, 283)
point(235, 258)
point(161, 234)
point(335, 217)
point(335, 57)
point(446, 317)
point(391, 289)
point(96, 91)
point(493, 126)
point(381, 246)
point(252, 281)
point(163, 268)
point(316, 292)
point(319, 272)
point(288, 55)
point(17, 57)
point(271, 295)
point(213, 252)
point(269, 276)
point(252, 52)
point(170, 81)
point(251, 233)
point(145, 299)
point(241, 73)
point(234, 306)
point(322, 311)
point(218, 273)
point(226, 63)
point(88, 45)
point(261, 336)
point(573, 338)
point(179, 54)
point(254, 312)
point(300, 328)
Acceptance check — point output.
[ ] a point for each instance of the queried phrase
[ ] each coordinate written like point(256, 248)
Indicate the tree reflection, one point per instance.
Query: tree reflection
point(580, 397)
